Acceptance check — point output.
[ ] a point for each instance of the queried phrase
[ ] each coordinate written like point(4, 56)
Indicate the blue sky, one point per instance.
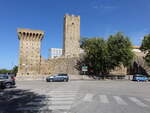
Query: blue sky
point(99, 18)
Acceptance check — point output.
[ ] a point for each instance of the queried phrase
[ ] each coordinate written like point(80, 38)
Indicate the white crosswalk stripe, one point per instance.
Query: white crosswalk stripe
point(147, 99)
point(119, 100)
point(103, 99)
point(61, 102)
point(61, 99)
point(88, 97)
point(63, 91)
point(138, 102)
point(62, 96)
point(59, 107)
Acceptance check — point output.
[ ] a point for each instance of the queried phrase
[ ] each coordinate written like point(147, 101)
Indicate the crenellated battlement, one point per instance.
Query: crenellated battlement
point(26, 34)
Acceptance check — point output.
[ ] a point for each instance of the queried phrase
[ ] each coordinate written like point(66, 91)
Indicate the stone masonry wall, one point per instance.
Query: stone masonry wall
point(63, 65)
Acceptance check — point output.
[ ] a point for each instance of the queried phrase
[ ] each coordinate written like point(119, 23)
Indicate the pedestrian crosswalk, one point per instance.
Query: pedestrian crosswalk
point(147, 99)
point(60, 99)
point(119, 100)
point(138, 102)
point(105, 99)
point(63, 100)
point(88, 97)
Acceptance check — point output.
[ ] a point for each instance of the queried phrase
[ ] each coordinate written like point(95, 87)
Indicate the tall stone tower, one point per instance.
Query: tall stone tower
point(71, 45)
point(30, 58)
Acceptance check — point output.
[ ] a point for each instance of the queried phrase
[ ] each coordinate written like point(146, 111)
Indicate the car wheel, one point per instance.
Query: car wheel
point(8, 85)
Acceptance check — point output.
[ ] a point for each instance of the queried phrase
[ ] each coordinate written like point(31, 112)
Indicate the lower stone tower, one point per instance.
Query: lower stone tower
point(30, 45)
point(71, 45)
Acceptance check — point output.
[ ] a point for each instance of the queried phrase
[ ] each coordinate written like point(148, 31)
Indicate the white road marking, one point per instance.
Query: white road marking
point(61, 102)
point(147, 99)
point(62, 96)
point(138, 102)
point(103, 99)
point(63, 91)
point(56, 107)
point(119, 100)
point(61, 99)
point(88, 97)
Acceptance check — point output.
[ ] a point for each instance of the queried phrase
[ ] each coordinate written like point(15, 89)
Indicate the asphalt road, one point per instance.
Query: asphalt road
point(76, 97)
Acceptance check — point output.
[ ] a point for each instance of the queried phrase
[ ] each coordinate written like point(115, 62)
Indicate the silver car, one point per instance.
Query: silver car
point(7, 81)
point(58, 77)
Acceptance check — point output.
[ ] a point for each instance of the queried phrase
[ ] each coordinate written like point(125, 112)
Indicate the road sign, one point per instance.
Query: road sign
point(84, 68)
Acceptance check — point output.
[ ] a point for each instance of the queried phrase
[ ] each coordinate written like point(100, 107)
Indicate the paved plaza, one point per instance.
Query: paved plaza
point(76, 97)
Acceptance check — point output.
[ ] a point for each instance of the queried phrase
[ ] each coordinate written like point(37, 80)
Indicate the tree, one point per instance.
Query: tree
point(12, 71)
point(4, 71)
point(15, 70)
point(120, 50)
point(145, 47)
point(102, 56)
point(95, 57)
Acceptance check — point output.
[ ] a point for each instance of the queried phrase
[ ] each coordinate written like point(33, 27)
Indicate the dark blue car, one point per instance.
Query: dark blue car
point(140, 77)
point(58, 77)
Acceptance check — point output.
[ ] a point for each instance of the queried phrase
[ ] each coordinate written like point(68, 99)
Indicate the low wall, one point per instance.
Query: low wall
point(31, 77)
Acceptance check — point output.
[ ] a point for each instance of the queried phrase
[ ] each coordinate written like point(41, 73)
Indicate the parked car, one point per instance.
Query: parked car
point(58, 77)
point(7, 81)
point(140, 77)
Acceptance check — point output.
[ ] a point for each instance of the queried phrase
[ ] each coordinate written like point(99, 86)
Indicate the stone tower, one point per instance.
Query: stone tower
point(30, 58)
point(71, 46)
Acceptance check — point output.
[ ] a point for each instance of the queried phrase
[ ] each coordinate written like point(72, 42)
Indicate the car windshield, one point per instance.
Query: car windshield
point(62, 75)
point(3, 77)
point(141, 76)
point(138, 75)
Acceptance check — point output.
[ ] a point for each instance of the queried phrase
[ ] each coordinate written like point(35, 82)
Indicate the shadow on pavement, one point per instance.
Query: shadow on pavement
point(20, 101)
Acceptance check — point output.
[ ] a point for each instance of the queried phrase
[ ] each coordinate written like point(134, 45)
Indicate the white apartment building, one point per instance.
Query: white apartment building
point(56, 52)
